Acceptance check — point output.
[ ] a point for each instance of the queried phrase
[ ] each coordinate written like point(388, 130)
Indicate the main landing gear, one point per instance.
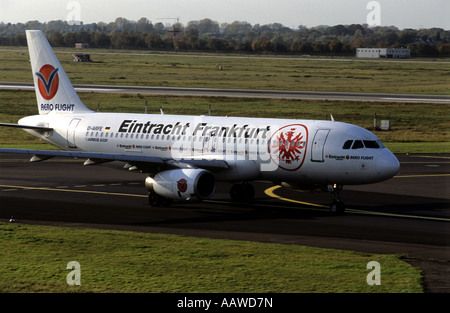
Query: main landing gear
point(337, 206)
point(244, 192)
point(156, 200)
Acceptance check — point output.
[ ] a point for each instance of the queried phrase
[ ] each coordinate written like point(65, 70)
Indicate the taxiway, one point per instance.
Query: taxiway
point(245, 93)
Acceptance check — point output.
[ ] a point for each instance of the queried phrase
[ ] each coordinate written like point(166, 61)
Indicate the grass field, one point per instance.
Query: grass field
point(350, 75)
point(416, 127)
point(34, 259)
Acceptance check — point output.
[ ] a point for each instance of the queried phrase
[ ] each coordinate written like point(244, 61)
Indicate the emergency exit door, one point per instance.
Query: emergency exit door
point(318, 145)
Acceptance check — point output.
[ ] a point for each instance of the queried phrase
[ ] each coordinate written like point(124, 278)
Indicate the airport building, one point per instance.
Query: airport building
point(394, 53)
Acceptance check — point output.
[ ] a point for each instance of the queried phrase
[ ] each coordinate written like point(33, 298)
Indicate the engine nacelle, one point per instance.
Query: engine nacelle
point(183, 184)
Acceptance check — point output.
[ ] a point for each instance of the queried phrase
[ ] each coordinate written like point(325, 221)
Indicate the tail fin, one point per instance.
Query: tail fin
point(54, 92)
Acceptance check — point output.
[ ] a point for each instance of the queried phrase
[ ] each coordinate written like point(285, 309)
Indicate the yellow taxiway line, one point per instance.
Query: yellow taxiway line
point(270, 193)
point(72, 190)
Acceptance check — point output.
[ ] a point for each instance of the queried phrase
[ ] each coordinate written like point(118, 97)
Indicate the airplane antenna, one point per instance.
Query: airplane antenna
point(146, 105)
point(161, 110)
point(332, 118)
point(209, 109)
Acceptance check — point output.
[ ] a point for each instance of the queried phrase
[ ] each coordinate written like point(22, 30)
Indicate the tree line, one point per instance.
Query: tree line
point(209, 35)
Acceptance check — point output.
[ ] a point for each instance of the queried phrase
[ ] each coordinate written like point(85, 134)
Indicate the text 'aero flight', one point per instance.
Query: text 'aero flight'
point(184, 156)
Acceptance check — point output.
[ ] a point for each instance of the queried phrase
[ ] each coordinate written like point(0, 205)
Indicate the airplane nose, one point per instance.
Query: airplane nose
point(387, 165)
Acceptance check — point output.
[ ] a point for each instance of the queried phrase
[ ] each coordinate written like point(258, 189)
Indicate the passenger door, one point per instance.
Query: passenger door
point(71, 132)
point(318, 145)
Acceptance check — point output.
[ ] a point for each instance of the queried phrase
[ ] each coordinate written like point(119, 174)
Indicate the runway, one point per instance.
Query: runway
point(409, 214)
point(246, 93)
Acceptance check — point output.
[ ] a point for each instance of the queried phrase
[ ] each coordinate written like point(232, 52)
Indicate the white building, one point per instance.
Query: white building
point(395, 53)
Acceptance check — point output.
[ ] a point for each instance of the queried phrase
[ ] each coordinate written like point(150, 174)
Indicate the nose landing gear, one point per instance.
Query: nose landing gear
point(337, 206)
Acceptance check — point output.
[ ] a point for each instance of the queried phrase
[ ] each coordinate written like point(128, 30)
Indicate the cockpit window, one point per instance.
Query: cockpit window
point(371, 144)
point(358, 144)
point(347, 144)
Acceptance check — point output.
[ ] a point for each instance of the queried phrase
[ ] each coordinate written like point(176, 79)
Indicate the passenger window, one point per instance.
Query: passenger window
point(358, 144)
point(372, 144)
point(347, 144)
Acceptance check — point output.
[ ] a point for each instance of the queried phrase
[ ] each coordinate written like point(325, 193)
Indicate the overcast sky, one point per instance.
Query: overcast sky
point(292, 13)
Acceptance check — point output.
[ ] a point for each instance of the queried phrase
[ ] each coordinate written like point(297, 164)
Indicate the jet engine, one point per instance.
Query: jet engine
point(181, 184)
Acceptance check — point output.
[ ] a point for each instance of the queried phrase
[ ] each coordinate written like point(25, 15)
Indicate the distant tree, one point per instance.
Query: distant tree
point(407, 36)
point(20, 40)
point(420, 49)
point(338, 30)
point(217, 44)
point(56, 39)
point(207, 26)
point(144, 25)
point(159, 29)
point(444, 49)
point(207, 34)
point(319, 48)
point(386, 38)
point(100, 40)
point(70, 39)
point(335, 46)
point(153, 41)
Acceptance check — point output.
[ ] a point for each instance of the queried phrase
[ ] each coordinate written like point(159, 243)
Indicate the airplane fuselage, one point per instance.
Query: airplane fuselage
point(279, 150)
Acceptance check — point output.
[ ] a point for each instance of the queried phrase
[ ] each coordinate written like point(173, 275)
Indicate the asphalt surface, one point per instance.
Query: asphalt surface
point(408, 215)
point(246, 93)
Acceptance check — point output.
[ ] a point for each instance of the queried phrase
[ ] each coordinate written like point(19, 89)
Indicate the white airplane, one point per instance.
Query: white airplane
point(185, 155)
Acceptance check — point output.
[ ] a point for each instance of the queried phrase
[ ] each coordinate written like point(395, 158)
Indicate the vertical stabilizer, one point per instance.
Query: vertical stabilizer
point(54, 92)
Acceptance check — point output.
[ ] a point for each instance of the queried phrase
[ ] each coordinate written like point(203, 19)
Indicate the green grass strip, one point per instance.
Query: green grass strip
point(34, 259)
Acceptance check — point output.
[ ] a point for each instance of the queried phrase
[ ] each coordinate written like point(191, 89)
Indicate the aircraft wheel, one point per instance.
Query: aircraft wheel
point(242, 192)
point(337, 207)
point(236, 192)
point(155, 200)
point(249, 192)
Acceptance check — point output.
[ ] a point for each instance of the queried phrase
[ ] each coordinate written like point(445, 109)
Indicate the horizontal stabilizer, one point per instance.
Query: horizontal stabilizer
point(26, 126)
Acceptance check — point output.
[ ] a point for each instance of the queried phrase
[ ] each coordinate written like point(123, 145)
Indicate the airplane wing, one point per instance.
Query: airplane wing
point(140, 161)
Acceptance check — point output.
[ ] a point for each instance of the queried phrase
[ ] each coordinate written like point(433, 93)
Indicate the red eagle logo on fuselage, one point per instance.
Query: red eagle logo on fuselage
point(288, 145)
